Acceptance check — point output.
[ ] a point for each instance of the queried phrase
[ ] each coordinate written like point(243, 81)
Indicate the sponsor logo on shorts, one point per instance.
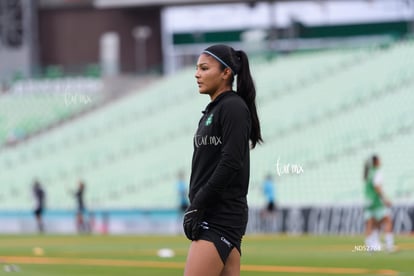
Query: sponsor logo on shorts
point(223, 239)
point(204, 225)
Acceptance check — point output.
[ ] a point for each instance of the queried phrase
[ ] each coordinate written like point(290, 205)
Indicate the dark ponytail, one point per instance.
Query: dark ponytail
point(247, 90)
point(238, 62)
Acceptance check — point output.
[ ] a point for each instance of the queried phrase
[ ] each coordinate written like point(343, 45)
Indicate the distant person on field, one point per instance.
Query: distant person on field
point(377, 211)
point(80, 219)
point(268, 214)
point(269, 191)
point(182, 192)
point(39, 195)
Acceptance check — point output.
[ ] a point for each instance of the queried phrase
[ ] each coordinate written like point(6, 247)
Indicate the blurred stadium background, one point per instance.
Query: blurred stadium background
point(103, 91)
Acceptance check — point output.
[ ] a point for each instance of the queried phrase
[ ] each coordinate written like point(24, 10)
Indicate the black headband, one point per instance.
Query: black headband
point(225, 55)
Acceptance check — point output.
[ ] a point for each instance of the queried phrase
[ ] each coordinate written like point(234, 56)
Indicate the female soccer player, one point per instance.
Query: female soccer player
point(216, 219)
point(377, 211)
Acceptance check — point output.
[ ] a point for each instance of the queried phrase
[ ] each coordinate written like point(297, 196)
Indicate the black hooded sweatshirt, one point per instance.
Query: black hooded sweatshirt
point(221, 162)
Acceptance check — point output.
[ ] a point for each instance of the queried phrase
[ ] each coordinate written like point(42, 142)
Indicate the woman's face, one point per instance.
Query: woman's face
point(211, 79)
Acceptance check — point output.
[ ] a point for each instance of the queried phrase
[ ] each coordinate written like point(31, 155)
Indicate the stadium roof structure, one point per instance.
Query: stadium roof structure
point(103, 4)
point(141, 3)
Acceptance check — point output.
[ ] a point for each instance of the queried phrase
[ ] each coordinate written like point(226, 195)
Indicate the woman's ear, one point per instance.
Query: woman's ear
point(227, 73)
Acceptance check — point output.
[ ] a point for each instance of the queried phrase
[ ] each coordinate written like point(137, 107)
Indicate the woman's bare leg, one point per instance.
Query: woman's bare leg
point(203, 260)
point(232, 266)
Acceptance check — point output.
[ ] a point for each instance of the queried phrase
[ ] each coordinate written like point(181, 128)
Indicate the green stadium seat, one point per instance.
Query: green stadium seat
point(327, 111)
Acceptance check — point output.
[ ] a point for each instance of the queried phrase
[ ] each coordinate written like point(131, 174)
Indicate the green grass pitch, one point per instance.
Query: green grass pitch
point(137, 255)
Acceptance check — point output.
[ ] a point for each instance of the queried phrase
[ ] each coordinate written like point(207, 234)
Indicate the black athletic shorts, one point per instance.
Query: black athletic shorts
point(223, 239)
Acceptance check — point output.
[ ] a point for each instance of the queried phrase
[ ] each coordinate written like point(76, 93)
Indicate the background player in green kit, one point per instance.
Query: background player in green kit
point(377, 211)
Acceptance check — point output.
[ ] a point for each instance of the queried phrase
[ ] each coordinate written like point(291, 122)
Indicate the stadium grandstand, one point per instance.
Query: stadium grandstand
point(338, 107)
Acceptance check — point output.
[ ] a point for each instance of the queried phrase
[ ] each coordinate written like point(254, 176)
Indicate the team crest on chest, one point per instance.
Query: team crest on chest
point(209, 119)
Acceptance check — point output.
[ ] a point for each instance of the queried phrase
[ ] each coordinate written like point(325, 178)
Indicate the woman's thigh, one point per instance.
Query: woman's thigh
point(203, 260)
point(232, 266)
